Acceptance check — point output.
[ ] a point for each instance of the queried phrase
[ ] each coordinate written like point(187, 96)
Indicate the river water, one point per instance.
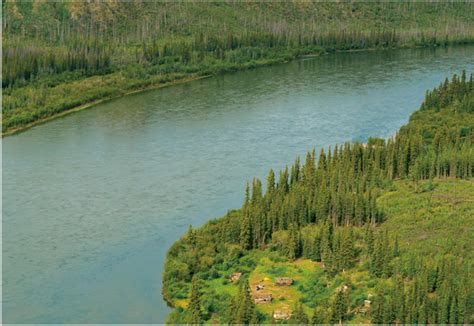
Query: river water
point(92, 201)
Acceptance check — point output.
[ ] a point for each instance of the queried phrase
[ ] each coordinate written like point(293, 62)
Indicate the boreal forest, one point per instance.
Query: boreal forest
point(145, 209)
point(60, 56)
point(377, 233)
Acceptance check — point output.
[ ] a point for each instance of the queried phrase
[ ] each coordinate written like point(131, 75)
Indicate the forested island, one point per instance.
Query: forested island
point(377, 233)
point(63, 56)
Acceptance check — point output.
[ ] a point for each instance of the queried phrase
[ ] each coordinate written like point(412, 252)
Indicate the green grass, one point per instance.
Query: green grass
point(284, 297)
point(430, 222)
point(429, 219)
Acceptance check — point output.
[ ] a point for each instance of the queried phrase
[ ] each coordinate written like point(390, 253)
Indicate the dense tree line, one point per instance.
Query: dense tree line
point(342, 187)
point(27, 62)
point(438, 293)
point(46, 44)
point(325, 210)
point(23, 64)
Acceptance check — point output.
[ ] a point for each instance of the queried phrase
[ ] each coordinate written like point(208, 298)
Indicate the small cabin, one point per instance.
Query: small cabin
point(235, 277)
point(263, 298)
point(281, 315)
point(259, 287)
point(367, 303)
point(284, 281)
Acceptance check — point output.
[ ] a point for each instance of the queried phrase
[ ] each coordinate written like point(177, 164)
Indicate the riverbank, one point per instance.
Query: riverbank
point(92, 180)
point(126, 87)
point(77, 96)
point(52, 64)
point(345, 236)
point(94, 103)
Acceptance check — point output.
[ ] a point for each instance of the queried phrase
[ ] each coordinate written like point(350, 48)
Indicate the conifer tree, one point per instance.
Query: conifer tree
point(316, 248)
point(191, 236)
point(299, 317)
point(339, 306)
point(232, 310)
point(398, 300)
point(347, 250)
point(369, 240)
point(245, 311)
point(246, 232)
point(376, 263)
point(194, 307)
point(294, 242)
point(295, 171)
point(271, 182)
point(326, 243)
point(378, 308)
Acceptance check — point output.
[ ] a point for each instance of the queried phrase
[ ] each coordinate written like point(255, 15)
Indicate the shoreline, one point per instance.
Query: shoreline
point(88, 105)
point(186, 79)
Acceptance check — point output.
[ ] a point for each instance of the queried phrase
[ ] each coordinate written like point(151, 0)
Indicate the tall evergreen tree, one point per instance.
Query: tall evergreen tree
point(340, 306)
point(246, 311)
point(298, 316)
point(194, 307)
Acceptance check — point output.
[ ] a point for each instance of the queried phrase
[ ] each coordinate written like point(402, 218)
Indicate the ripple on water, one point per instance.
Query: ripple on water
point(92, 201)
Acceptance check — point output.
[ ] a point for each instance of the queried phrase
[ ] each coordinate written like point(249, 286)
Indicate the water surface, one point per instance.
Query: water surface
point(92, 201)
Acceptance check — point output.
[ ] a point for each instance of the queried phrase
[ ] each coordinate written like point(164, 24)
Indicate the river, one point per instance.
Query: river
point(92, 201)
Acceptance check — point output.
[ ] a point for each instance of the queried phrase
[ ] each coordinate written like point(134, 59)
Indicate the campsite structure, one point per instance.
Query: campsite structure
point(263, 298)
point(284, 281)
point(281, 315)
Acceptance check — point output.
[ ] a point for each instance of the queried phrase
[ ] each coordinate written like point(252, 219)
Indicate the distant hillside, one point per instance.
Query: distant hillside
point(136, 21)
point(61, 55)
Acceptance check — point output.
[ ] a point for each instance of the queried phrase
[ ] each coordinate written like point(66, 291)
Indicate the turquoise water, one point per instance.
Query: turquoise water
point(92, 201)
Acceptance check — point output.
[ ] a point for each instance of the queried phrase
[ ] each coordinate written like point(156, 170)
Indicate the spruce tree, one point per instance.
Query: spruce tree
point(246, 311)
point(294, 242)
point(370, 240)
point(378, 308)
point(339, 306)
point(398, 300)
point(246, 238)
point(194, 307)
point(316, 248)
point(347, 250)
point(191, 236)
point(232, 310)
point(271, 182)
point(298, 316)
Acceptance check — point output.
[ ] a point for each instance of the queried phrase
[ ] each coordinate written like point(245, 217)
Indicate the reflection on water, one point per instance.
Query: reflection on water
point(93, 200)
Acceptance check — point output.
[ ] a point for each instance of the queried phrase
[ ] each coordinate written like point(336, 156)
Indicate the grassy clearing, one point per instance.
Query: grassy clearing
point(284, 297)
point(432, 221)
point(429, 219)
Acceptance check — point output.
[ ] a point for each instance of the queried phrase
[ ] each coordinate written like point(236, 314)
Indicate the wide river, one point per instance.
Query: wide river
point(92, 201)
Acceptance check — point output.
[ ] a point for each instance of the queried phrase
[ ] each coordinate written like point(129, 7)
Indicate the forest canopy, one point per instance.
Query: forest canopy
point(343, 224)
point(61, 55)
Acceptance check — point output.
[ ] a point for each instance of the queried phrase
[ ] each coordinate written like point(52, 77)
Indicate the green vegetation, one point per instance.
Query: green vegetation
point(372, 233)
point(432, 217)
point(58, 56)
